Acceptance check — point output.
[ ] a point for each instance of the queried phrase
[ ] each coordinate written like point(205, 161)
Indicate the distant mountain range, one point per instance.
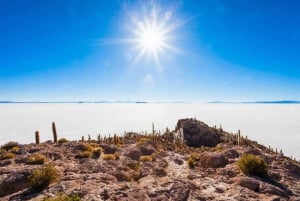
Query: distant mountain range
point(143, 102)
point(262, 102)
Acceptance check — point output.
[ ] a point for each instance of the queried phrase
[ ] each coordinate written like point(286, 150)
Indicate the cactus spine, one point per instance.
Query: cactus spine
point(54, 132)
point(37, 137)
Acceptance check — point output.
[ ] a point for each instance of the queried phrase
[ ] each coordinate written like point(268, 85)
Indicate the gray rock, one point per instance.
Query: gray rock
point(134, 153)
point(14, 182)
point(214, 160)
point(197, 133)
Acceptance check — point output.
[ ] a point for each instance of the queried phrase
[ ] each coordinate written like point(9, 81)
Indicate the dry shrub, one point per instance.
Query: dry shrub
point(41, 178)
point(36, 159)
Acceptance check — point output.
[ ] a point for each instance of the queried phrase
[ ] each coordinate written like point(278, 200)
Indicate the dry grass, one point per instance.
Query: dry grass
point(36, 159)
point(109, 157)
point(7, 155)
point(84, 154)
point(146, 158)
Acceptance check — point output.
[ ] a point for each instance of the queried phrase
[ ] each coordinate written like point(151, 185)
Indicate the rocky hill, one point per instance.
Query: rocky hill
point(193, 162)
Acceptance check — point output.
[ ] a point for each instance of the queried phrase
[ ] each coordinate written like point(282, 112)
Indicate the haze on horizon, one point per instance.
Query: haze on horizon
point(192, 50)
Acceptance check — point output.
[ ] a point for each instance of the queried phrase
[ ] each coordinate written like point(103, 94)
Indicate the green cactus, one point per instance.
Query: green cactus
point(37, 137)
point(54, 132)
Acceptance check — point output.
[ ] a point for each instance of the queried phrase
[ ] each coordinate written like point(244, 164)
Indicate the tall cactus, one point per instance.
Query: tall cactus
point(37, 137)
point(54, 132)
point(238, 137)
point(153, 131)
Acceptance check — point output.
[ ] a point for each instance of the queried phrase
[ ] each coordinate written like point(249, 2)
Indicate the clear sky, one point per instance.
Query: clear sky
point(191, 50)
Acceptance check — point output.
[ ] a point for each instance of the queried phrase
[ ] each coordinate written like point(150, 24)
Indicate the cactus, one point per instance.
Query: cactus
point(99, 138)
point(37, 137)
point(54, 132)
point(82, 138)
point(153, 131)
point(238, 137)
point(89, 138)
point(115, 139)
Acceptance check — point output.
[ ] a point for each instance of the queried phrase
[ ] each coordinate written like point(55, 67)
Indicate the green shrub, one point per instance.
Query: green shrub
point(62, 141)
point(7, 155)
point(9, 145)
point(39, 179)
point(63, 197)
point(252, 165)
point(36, 159)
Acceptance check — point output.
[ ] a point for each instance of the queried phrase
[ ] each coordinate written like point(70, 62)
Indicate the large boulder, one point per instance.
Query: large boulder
point(14, 182)
point(214, 160)
point(197, 133)
point(133, 152)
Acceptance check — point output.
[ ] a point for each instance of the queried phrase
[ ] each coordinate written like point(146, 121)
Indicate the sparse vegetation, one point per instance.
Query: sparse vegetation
point(252, 165)
point(97, 152)
point(62, 141)
point(146, 158)
point(9, 145)
point(7, 155)
point(85, 147)
point(84, 154)
point(191, 163)
point(63, 197)
point(36, 159)
point(143, 140)
point(41, 178)
point(108, 157)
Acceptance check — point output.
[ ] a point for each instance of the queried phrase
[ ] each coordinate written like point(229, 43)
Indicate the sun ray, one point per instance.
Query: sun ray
point(152, 33)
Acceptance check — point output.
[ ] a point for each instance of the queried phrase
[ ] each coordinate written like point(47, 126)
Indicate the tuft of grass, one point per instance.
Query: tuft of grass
point(108, 157)
point(252, 165)
point(41, 178)
point(7, 155)
point(84, 154)
point(146, 158)
point(36, 159)
point(117, 155)
point(85, 147)
point(62, 140)
point(134, 165)
point(195, 156)
point(93, 144)
point(9, 145)
point(191, 163)
point(15, 150)
point(143, 140)
point(63, 197)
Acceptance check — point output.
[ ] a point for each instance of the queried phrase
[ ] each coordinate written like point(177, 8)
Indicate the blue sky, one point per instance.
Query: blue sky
point(70, 50)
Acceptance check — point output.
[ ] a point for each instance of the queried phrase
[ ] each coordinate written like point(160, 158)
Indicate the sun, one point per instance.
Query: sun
point(150, 33)
point(151, 39)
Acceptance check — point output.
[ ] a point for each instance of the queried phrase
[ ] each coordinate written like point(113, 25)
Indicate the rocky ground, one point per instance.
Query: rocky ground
point(154, 168)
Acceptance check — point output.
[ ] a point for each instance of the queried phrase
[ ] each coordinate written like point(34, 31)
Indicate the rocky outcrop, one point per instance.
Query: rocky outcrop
point(181, 173)
point(263, 187)
point(133, 152)
point(14, 182)
point(197, 133)
point(213, 160)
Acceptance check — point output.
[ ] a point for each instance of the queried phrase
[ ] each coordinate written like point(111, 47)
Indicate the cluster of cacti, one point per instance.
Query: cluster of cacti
point(169, 140)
